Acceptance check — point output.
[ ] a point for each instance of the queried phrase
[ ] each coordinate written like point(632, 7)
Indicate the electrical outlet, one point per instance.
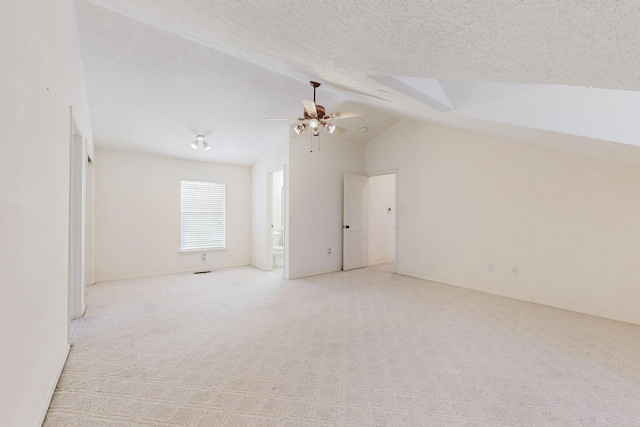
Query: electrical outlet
point(329, 251)
point(514, 271)
point(490, 268)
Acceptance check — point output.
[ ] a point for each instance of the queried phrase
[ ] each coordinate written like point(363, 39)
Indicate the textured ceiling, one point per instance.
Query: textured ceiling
point(153, 91)
point(158, 72)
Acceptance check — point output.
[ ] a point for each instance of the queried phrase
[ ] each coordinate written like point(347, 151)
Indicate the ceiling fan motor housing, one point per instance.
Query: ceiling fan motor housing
point(319, 109)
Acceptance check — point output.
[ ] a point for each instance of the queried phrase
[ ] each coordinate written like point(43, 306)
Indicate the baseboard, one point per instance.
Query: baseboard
point(168, 273)
point(52, 387)
point(548, 303)
point(568, 307)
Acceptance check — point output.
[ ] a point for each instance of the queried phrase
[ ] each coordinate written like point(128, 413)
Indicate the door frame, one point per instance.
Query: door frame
point(270, 173)
point(77, 222)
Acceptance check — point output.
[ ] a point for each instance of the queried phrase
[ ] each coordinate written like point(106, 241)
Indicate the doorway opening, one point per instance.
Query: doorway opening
point(276, 220)
point(77, 222)
point(381, 209)
point(369, 221)
point(90, 224)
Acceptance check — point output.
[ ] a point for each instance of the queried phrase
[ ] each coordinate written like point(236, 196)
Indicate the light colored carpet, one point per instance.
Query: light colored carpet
point(243, 347)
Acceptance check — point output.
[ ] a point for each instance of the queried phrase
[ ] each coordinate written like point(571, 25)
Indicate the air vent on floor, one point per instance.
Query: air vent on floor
point(201, 272)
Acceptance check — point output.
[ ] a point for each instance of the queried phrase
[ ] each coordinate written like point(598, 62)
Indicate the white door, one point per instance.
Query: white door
point(354, 227)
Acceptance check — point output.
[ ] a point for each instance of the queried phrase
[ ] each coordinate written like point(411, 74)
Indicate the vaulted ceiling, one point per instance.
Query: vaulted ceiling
point(158, 73)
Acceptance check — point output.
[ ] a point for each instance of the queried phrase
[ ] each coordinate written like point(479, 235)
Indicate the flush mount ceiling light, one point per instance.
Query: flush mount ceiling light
point(200, 139)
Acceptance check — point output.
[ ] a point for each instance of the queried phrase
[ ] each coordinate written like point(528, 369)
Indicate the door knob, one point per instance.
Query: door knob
point(346, 226)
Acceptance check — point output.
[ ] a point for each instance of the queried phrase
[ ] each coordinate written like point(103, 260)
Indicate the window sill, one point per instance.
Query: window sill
point(181, 251)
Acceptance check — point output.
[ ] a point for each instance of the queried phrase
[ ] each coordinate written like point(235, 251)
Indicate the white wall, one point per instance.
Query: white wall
point(40, 78)
point(276, 156)
point(316, 199)
point(381, 209)
point(606, 114)
point(137, 215)
point(569, 224)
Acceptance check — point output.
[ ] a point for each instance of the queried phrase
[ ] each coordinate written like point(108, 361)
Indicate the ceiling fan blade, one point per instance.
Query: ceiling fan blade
point(284, 118)
point(338, 130)
point(310, 108)
point(345, 115)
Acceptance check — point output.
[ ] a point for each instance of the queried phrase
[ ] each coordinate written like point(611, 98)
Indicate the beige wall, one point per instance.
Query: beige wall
point(570, 225)
point(316, 200)
point(40, 79)
point(137, 215)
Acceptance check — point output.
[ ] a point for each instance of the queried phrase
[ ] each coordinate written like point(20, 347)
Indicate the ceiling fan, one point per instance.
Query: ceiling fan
point(315, 117)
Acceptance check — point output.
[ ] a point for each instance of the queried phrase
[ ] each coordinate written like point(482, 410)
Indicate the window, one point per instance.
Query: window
point(202, 216)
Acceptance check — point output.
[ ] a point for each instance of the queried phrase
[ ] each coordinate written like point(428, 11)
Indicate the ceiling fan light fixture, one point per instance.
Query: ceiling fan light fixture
point(200, 139)
point(299, 128)
point(329, 127)
point(315, 117)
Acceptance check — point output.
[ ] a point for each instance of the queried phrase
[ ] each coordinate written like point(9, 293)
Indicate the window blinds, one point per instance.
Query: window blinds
point(202, 215)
